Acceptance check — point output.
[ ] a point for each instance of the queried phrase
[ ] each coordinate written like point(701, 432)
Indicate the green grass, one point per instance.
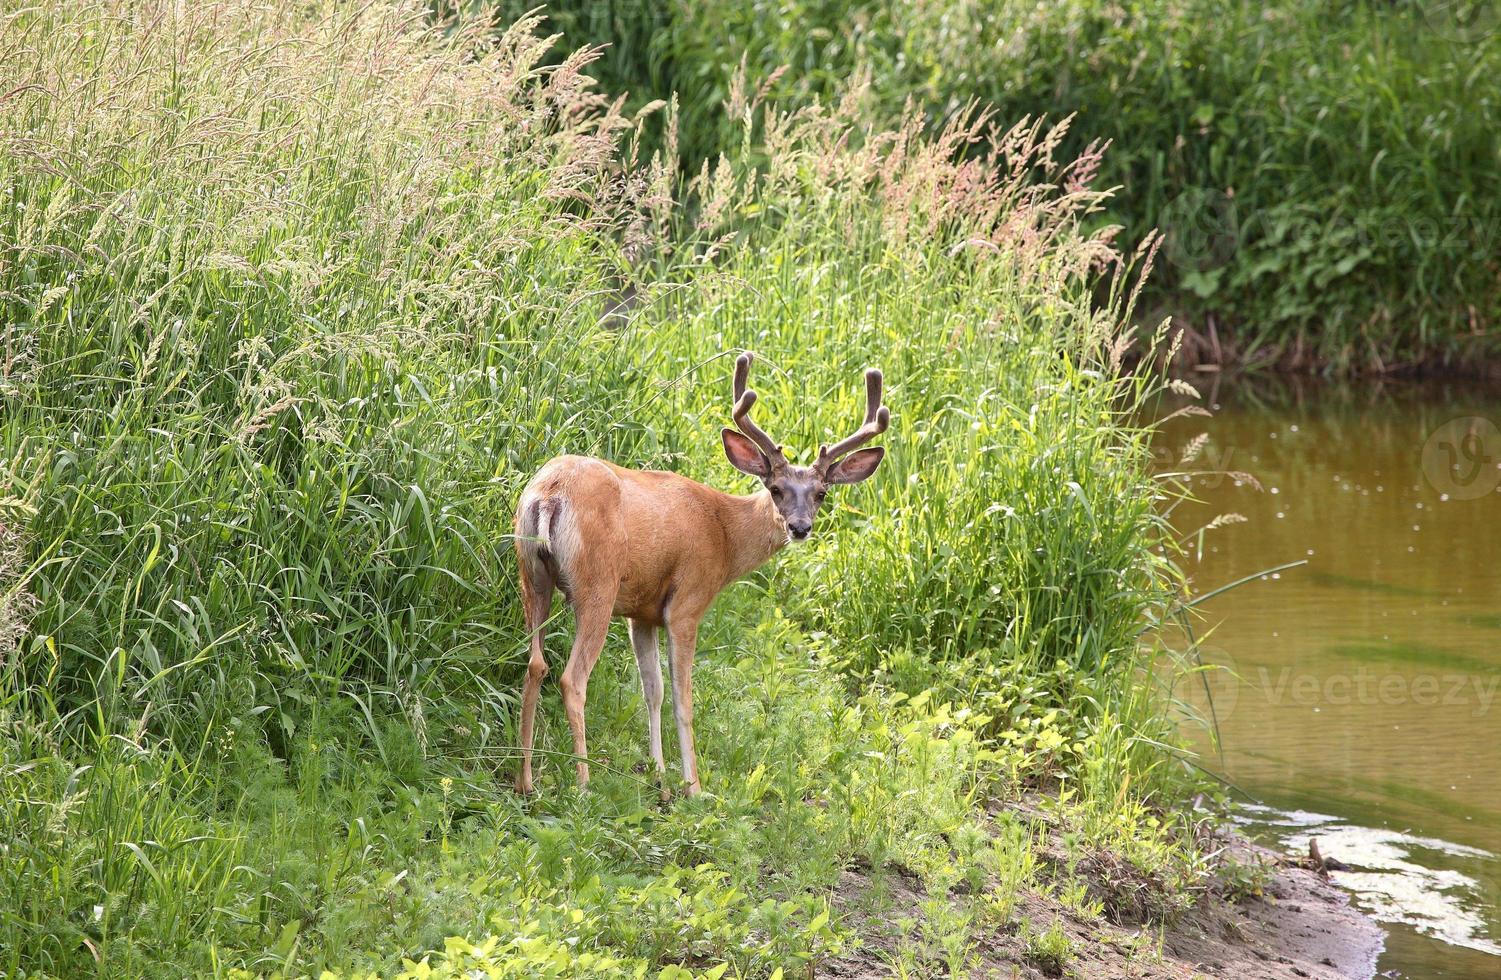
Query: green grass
point(1325, 172)
point(295, 303)
point(1050, 950)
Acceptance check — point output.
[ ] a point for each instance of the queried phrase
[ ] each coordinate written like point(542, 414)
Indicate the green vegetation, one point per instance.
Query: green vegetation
point(1050, 950)
point(1328, 174)
point(293, 303)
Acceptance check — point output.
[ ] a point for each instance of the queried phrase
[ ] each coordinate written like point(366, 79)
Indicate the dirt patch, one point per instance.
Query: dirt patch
point(1303, 926)
point(1300, 926)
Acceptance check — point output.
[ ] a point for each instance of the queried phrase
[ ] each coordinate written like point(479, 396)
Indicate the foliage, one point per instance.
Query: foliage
point(1325, 172)
point(1050, 950)
point(296, 301)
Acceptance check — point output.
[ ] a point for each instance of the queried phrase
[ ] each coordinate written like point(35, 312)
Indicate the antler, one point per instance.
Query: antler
point(877, 417)
point(744, 399)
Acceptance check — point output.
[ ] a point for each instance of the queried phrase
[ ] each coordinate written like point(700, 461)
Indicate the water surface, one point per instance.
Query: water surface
point(1364, 709)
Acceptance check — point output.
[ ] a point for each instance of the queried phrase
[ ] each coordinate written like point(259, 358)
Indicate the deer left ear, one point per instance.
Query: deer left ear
point(743, 454)
point(856, 466)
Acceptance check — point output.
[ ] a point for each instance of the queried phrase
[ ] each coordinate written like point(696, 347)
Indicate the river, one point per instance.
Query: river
point(1362, 701)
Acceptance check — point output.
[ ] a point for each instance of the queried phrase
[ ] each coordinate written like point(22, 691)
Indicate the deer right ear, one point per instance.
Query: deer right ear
point(743, 454)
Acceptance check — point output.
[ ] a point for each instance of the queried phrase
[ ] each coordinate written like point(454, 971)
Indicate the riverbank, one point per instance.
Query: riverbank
point(1323, 173)
point(1299, 925)
point(294, 304)
point(1202, 345)
point(1265, 916)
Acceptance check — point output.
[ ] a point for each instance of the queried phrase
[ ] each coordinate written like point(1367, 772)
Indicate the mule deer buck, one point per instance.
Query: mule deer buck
point(657, 548)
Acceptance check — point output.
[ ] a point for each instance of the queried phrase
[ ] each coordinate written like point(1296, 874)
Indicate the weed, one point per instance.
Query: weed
point(1340, 218)
point(1050, 949)
point(297, 301)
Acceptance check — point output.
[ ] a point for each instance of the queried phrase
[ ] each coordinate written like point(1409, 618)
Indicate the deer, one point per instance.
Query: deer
point(657, 548)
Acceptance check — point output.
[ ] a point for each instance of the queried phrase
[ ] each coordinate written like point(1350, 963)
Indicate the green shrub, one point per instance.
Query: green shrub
point(297, 302)
point(1325, 173)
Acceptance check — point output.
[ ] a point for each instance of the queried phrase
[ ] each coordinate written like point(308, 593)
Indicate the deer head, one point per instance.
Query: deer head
point(798, 491)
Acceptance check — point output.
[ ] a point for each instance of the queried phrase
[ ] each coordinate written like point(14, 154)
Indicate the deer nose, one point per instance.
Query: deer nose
point(800, 529)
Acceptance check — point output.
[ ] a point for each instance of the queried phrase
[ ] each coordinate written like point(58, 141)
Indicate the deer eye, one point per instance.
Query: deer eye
point(820, 495)
point(776, 491)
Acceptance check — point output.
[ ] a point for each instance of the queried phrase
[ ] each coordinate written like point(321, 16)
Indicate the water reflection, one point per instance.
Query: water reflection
point(1396, 878)
point(1365, 683)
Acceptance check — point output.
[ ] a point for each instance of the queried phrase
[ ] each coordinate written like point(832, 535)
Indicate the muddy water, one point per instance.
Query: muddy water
point(1364, 708)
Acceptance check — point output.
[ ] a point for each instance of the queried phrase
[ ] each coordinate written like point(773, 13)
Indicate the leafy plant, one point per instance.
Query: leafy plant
point(1050, 949)
point(1323, 172)
point(296, 300)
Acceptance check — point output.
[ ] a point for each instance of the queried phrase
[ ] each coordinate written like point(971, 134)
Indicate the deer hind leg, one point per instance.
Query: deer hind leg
point(536, 596)
point(593, 616)
point(649, 664)
point(682, 635)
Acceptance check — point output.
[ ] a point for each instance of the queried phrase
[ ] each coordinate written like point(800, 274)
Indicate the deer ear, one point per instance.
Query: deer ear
point(743, 454)
point(856, 466)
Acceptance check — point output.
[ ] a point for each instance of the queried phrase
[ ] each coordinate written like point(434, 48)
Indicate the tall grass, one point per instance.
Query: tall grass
point(1325, 173)
point(296, 301)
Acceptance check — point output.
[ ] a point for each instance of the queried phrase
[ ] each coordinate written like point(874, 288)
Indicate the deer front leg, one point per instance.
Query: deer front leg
point(593, 623)
point(682, 636)
point(649, 663)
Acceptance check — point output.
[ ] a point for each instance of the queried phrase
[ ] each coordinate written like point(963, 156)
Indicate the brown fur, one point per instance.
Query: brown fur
point(657, 548)
point(651, 546)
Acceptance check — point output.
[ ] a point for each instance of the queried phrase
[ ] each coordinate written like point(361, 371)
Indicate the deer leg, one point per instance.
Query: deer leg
point(593, 618)
point(537, 602)
point(649, 663)
point(682, 636)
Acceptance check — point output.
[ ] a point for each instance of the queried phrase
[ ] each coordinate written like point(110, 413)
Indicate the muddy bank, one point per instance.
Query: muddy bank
point(1301, 926)
point(1284, 923)
point(1199, 345)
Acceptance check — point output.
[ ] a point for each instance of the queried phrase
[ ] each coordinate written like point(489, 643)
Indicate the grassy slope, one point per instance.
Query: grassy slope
point(295, 302)
point(1326, 173)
